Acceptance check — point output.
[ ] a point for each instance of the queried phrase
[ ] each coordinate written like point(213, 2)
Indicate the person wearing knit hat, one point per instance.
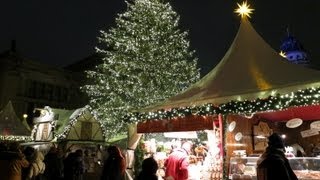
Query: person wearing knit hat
point(273, 163)
point(276, 141)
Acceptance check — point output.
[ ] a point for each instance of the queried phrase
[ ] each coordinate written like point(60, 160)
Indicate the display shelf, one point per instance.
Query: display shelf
point(244, 168)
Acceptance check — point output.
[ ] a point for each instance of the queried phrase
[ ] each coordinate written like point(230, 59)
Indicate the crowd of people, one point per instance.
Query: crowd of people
point(185, 160)
point(28, 163)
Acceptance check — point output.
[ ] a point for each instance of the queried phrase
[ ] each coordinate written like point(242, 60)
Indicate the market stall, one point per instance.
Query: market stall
point(13, 128)
point(247, 138)
point(184, 129)
point(250, 85)
point(70, 129)
point(205, 158)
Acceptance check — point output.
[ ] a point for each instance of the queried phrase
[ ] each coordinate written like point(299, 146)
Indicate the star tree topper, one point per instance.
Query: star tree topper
point(244, 10)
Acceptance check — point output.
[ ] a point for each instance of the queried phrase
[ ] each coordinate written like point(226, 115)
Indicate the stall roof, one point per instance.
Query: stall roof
point(10, 124)
point(249, 70)
point(64, 117)
point(78, 125)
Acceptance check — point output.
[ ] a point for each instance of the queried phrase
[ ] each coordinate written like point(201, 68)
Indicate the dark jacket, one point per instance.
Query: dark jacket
point(54, 166)
point(146, 176)
point(273, 164)
point(149, 170)
point(112, 169)
point(73, 167)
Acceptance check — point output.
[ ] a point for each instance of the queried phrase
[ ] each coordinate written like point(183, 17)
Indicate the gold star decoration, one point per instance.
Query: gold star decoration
point(244, 9)
point(283, 54)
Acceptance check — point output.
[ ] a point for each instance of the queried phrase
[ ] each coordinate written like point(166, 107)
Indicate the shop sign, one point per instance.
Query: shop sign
point(315, 125)
point(189, 123)
point(309, 132)
point(293, 123)
point(238, 136)
point(231, 126)
point(187, 135)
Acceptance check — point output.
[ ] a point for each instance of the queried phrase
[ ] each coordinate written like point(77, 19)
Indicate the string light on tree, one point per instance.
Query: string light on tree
point(135, 56)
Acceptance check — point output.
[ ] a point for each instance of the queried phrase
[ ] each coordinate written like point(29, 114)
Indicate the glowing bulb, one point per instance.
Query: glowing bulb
point(244, 10)
point(283, 54)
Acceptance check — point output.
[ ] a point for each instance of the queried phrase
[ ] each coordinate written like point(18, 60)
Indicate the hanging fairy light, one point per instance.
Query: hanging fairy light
point(247, 108)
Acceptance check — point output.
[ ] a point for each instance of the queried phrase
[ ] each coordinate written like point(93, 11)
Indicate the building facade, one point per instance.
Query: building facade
point(293, 51)
point(29, 84)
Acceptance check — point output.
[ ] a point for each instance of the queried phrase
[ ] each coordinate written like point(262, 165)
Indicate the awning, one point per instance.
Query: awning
point(182, 135)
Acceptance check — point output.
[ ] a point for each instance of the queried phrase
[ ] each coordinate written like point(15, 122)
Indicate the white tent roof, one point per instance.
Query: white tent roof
point(249, 70)
point(10, 124)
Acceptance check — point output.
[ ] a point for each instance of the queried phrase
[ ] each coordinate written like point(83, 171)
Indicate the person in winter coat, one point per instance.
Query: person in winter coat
point(149, 170)
point(37, 166)
point(69, 167)
point(273, 163)
point(29, 153)
point(114, 166)
point(178, 162)
point(73, 166)
point(79, 165)
point(12, 161)
point(54, 165)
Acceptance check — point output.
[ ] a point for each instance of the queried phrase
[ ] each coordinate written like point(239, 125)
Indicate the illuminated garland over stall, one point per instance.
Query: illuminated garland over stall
point(305, 97)
point(73, 121)
point(16, 138)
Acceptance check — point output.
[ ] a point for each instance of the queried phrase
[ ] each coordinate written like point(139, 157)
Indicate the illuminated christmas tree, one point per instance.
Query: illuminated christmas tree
point(146, 59)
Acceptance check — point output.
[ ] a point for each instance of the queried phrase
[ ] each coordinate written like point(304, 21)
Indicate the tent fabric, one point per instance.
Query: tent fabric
point(249, 70)
point(10, 124)
point(133, 141)
point(133, 136)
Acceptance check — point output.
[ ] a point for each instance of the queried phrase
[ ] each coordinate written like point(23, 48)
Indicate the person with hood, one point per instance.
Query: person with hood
point(73, 166)
point(149, 169)
point(273, 163)
point(54, 164)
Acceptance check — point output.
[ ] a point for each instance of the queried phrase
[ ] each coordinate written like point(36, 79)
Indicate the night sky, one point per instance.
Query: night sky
point(61, 32)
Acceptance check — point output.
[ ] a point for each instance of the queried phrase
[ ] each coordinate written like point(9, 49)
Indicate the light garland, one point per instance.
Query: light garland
point(16, 138)
point(74, 120)
point(305, 97)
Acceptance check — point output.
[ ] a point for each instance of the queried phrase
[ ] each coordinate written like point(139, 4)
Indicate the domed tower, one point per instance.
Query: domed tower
point(293, 50)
